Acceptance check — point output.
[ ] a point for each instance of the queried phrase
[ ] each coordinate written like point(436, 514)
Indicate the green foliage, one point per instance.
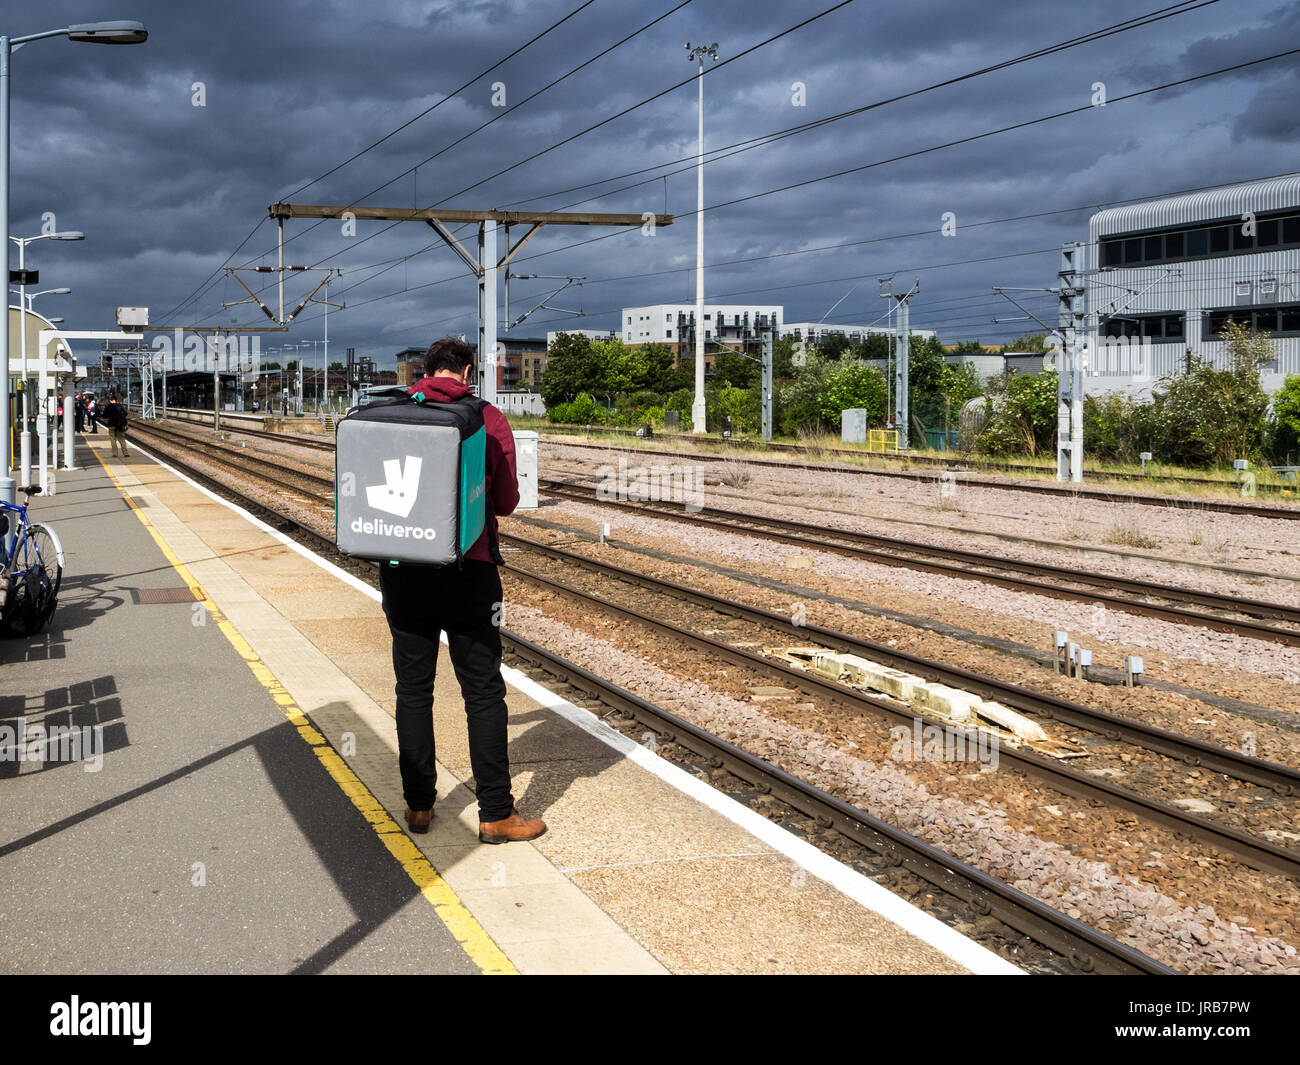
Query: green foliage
point(743, 405)
point(1032, 342)
point(798, 404)
point(1284, 425)
point(1210, 417)
point(570, 367)
point(851, 384)
point(1023, 415)
point(681, 400)
point(971, 347)
point(833, 346)
point(583, 410)
point(783, 359)
point(1117, 428)
point(736, 370)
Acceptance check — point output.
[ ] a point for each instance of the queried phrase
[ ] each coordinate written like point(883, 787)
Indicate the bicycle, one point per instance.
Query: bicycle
point(31, 591)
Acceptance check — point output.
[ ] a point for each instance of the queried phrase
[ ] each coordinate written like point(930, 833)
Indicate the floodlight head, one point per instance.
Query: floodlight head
point(71, 234)
point(59, 292)
point(109, 32)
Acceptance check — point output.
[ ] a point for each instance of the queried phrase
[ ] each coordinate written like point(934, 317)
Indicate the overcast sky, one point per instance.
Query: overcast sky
point(112, 142)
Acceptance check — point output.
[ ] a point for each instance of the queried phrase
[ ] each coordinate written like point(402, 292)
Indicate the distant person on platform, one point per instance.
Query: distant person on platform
point(92, 413)
point(115, 419)
point(79, 411)
point(421, 602)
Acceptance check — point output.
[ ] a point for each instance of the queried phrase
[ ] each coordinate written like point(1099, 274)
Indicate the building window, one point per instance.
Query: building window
point(1275, 229)
point(1278, 319)
point(668, 333)
point(708, 317)
point(1157, 328)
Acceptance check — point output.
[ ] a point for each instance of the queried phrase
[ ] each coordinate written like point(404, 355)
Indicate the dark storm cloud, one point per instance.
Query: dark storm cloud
point(108, 139)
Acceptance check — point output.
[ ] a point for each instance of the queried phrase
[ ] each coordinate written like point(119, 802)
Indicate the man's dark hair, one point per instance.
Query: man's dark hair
point(449, 353)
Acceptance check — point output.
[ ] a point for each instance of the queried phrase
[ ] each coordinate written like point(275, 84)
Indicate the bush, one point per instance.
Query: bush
point(1209, 417)
point(1284, 425)
point(850, 384)
point(582, 411)
point(742, 405)
point(681, 401)
point(1023, 416)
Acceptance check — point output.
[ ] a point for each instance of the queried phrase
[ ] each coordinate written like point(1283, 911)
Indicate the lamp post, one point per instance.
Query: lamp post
point(90, 33)
point(697, 55)
point(24, 435)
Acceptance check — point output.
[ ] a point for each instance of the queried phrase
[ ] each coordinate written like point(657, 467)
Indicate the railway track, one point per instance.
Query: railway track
point(1283, 780)
point(1256, 852)
point(1199, 503)
point(937, 464)
point(1035, 577)
point(1085, 948)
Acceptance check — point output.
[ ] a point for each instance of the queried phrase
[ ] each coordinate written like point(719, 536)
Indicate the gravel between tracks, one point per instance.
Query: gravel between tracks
point(1188, 534)
point(1195, 644)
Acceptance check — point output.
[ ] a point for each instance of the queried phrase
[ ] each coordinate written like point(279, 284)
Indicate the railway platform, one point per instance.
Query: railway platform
point(234, 804)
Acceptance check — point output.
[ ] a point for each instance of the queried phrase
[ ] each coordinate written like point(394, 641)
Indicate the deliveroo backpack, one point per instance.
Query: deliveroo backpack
point(409, 479)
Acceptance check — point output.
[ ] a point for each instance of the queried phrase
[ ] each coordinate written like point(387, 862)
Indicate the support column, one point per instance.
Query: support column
point(902, 413)
point(487, 311)
point(768, 336)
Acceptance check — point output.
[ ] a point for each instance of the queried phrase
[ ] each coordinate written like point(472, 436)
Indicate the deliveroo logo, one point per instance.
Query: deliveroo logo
point(397, 494)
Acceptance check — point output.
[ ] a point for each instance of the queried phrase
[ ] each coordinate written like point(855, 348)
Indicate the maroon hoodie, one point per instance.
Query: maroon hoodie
point(502, 481)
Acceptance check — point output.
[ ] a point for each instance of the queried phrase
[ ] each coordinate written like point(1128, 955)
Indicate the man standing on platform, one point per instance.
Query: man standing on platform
point(421, 602)
point(115, 419)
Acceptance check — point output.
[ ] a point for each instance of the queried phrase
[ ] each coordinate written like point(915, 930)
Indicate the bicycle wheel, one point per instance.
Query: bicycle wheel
point(34, 580)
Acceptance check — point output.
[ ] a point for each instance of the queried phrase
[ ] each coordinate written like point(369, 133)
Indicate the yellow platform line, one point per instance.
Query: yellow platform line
point(471, 935)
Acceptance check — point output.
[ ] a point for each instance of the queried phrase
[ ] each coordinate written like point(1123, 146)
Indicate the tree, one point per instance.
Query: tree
point(736, 370)
point(1210, 417)
point(783, 358)
point(570, 368)
point(1023, 415)
point(1032, 342)
point(833, 345)
point(657, 369)
point(851, 384)
point(1284, 426)
point(970, 347)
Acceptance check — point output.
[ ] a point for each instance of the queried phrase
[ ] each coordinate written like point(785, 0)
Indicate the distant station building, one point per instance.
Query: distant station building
point(1169, 273)
point(815, 332)
point(737, 327)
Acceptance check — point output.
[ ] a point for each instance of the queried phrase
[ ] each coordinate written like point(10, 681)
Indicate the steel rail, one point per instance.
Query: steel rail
point(1256, 852)
point(1217, 506)
point(1282, 779)
point(815, 538)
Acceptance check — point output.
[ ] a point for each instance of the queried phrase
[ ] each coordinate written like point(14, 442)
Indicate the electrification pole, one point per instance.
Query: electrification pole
point(697, 55)
point(902, 413)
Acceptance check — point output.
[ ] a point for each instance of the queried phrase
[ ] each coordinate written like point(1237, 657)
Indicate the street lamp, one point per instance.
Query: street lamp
point(697, 55)
point(122, 32)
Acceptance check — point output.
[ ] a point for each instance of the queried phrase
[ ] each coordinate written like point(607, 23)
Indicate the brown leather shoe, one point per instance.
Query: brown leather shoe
point(510, 829)
point(418, 820)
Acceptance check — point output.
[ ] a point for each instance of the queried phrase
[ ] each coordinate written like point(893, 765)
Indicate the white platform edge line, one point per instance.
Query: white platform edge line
point(861, 889)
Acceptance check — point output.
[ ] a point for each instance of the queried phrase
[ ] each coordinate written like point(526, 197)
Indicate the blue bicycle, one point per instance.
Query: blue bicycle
point(32, 571)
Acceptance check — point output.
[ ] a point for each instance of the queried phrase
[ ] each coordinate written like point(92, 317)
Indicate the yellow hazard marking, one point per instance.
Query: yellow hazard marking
point(471, 935)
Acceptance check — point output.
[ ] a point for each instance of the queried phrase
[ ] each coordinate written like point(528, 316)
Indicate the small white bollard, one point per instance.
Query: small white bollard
point(526, 468)
point(604, 531)
point(1133, 668)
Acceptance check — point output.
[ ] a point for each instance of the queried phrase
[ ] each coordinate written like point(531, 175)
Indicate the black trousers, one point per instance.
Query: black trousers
point(420, 603)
